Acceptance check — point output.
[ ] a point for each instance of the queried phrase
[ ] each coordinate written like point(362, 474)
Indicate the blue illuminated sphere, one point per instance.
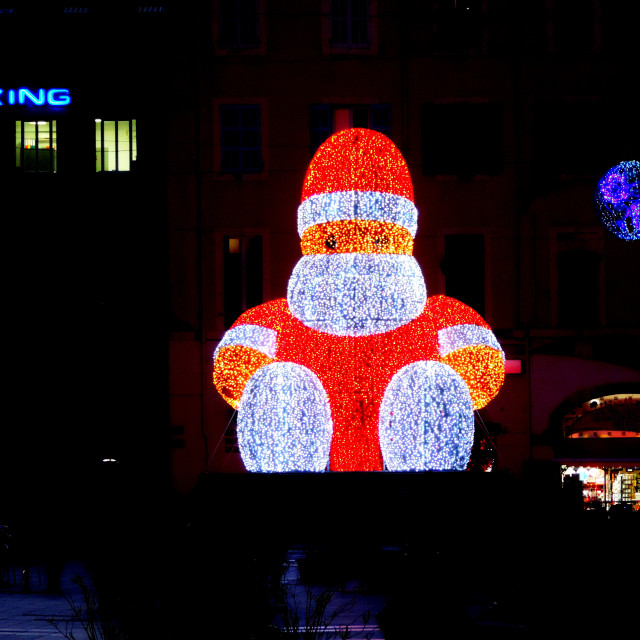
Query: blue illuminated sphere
point(617, 200)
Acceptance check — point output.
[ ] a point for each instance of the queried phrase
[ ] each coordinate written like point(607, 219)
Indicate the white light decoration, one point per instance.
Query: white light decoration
point(250, 335)
point(284, 420)
point(466, 335)
point(426, 419)
point(357, 369)
point(357, 205)
point(355, 294)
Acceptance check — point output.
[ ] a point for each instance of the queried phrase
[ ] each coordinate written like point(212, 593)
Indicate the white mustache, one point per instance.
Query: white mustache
point(356, 294)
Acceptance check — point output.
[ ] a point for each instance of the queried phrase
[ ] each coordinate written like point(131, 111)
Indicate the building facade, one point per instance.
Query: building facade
point(83, 172)
point(505, 115)
point(203, 118)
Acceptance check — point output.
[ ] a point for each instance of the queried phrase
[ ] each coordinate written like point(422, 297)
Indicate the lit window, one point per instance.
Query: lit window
point(242, 275)
point(36, 146)
point(325, 119)
point(241, 139)
point(239, 24)
point(462, 139)
point(116, 146)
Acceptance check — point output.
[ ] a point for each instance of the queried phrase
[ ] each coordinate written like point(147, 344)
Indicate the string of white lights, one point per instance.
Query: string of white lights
point(466, 335)
point(357, 205)
point(250, 335)
point(426, 419)
point(284, 420)
point(356, 294)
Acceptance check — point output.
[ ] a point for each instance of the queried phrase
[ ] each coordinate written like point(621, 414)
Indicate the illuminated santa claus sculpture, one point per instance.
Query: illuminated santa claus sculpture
point(357, 369)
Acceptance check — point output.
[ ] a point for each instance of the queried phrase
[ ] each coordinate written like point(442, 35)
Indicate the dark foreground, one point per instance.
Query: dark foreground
point(435, 555)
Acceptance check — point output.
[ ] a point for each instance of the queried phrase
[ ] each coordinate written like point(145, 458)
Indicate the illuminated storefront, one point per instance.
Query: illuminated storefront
point(603, 432)
point(604, 486)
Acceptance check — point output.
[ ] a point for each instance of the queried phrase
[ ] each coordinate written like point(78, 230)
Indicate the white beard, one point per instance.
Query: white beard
point(356, 294)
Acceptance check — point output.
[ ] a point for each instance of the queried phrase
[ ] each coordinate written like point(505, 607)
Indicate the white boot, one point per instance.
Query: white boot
point(284, 420)
point(426, 419)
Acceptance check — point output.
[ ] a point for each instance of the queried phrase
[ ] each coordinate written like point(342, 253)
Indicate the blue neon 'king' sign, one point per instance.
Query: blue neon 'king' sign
point(39, 97)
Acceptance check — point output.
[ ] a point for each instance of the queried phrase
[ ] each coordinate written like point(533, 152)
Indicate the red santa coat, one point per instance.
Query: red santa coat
point(356, 370)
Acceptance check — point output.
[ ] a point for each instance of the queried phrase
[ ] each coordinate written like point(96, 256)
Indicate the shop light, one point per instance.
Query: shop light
point(513, 366)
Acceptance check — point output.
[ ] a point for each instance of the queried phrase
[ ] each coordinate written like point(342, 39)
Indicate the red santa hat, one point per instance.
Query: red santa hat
point(357, 174)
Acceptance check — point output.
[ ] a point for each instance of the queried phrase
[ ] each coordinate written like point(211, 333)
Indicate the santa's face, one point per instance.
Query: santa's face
point(357, 220)
point(357, 278)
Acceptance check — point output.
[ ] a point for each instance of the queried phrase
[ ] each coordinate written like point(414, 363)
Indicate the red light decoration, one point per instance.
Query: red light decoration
point(234, 366)
point(374, 373)
point(358, 160)
point(356, 236)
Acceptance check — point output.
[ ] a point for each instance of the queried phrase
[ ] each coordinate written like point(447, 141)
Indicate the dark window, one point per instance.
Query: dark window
point(242, 275)
point(151, 9)
point(578, 291)
point(573, 24)
point(380, 118)
point(573, 138)
point(75, 10)
point(241, 139)
point(239, 24)
point(458, 25)
point(463, 139)
point(231, 437)
point(463, 268)
point(36, 145)
point(350, 24)
point(320, 124)
point(578, 264)
point(325, 119)
point(177, 436)
point(619, 20)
